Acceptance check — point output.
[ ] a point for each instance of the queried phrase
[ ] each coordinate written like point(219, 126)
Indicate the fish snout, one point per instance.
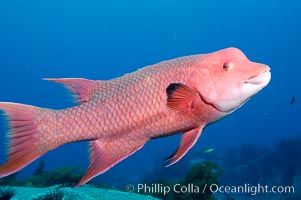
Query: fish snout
point(267, 68)
point(260, 76)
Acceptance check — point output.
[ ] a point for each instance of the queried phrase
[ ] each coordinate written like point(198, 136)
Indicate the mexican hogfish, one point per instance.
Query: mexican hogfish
point(119, 116)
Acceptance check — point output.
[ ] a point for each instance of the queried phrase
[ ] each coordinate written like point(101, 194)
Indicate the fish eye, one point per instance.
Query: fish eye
point(227, 66)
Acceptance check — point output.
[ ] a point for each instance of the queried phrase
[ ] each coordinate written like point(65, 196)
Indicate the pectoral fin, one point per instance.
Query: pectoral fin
point(180, 97)
point(188, 140)
point(106, 154)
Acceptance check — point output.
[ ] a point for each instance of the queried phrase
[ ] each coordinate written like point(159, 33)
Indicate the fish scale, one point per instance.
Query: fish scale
point(119, 116)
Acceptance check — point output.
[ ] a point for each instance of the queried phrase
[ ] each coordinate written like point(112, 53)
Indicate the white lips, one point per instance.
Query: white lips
point(254, 85)
point(248, 89)
point(260, 79)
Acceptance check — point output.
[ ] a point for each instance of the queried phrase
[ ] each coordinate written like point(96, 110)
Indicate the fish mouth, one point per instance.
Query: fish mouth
point(255, 84)
point(262, 78)
point(250, 87)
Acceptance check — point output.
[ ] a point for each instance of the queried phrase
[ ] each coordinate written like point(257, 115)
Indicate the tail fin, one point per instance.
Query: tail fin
point(22, 140)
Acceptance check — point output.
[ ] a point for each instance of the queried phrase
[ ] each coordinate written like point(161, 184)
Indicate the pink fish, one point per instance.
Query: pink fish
point(119, 116)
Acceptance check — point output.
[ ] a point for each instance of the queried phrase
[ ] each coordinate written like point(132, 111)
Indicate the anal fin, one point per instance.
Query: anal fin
point(188, 140)
point(106, 154)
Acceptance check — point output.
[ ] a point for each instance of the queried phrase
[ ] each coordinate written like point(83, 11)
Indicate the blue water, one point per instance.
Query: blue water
point(106, 39)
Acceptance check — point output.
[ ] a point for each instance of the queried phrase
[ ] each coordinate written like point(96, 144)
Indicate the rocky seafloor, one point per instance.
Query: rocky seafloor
point(90, 192)
point(67, 193)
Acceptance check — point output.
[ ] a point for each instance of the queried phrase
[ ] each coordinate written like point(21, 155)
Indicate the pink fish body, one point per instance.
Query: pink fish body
point(119, 116)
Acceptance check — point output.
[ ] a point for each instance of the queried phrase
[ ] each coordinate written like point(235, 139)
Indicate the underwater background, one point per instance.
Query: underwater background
point(105, 39)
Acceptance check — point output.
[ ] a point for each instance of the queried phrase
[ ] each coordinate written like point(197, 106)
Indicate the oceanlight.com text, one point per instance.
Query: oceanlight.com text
point(252, 189)
point(158, 188)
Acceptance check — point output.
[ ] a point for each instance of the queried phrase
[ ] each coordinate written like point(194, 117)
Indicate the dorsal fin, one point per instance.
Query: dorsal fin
point(82, 89)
